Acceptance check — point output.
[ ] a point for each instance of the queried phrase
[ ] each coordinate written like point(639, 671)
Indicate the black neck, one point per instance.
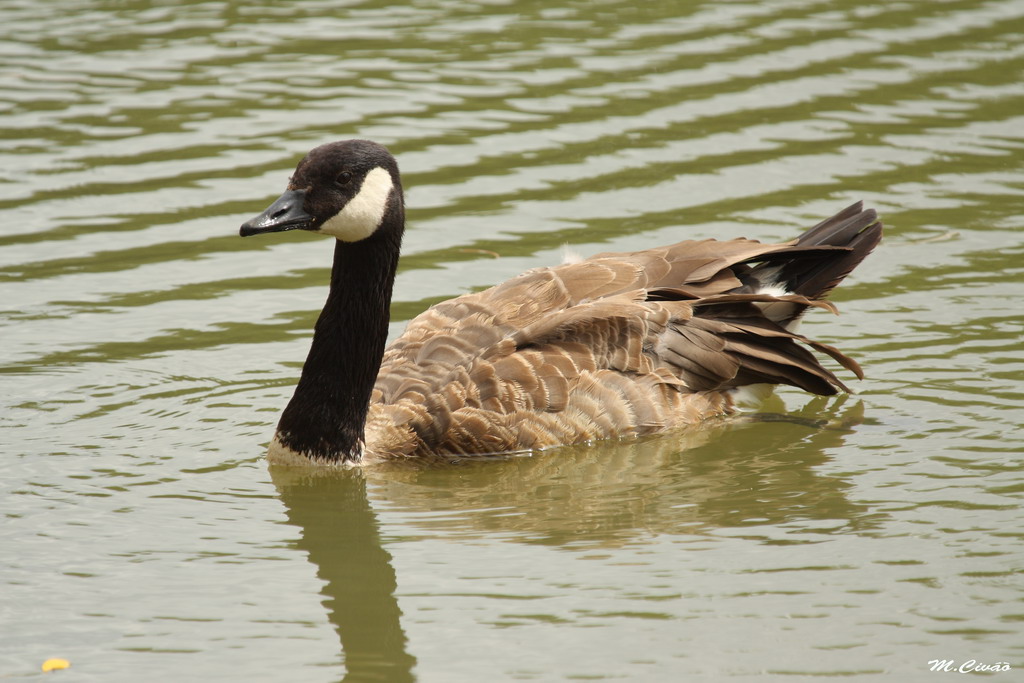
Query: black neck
point(327, 415)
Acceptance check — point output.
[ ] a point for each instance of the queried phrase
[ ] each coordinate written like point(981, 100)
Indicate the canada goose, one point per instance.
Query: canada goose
point(615, 345)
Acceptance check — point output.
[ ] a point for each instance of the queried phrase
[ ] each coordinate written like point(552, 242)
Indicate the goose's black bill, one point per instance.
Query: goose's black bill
point(286, 213)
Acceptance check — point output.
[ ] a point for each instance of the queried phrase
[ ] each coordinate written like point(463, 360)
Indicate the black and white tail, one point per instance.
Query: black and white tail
point(819, 261)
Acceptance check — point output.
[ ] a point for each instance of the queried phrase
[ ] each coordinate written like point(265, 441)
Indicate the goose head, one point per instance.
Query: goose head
point(347, 190)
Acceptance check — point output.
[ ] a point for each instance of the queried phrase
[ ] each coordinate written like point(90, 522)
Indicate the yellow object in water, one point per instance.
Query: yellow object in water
point(55, 663)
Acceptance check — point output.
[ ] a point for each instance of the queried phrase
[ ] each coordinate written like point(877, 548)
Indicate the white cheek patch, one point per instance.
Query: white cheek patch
point(363, 214)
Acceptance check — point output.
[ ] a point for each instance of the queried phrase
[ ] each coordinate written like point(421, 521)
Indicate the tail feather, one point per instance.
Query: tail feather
point(855, 230)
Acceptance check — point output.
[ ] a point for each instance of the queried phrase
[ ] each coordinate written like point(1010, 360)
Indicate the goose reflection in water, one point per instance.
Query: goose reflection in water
point(721, 475)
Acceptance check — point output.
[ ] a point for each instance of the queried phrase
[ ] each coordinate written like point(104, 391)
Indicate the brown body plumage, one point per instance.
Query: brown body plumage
point(615, 345)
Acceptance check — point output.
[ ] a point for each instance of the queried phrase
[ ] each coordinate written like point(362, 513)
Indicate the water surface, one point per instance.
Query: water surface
point(146, 351)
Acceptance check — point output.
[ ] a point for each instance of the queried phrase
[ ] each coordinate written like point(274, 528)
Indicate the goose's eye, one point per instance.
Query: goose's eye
point(344, 178)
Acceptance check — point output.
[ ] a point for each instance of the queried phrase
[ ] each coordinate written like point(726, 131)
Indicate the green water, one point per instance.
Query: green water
point(146, 351)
